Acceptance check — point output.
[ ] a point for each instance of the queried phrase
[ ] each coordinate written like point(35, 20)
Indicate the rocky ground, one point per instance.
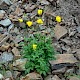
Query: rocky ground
point(65, 36)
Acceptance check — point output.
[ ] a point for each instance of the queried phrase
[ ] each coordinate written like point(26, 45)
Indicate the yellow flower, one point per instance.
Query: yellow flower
point(58, 18)
point(29, 23)
point(40, 11)
point(39, 21)
point(20, 20)
point(34, 46)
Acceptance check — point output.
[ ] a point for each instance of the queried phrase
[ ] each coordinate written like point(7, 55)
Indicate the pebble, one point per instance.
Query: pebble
point(55, 77)
point(32, 76)
point(20, 64)
point(5, 22)
point(78, 29)
point(8, 2)
point(1, 76)
point(60, 31)
point(6, 57)
point(16, 53)
point(74, 78)
point(2, 12)
point(63, 60)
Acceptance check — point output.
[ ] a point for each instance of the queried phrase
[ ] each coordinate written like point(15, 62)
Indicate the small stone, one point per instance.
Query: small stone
point(8, 74)
point(66, 41)
point(78, 29)
point(42, 27)
point(72, 33)
point(1, 76)
point(8, 2)
point(3, 38)
point(18, 11)
point(30, 7)
point(70, 71)
point(8, 79)
point(1, 29)
point(63, 60)
point(16, 53)
point(78, 53)
point(10, 27)
point(59, 71)
point(78, 1)
point(59, 31)
point(32, 76)
point(20, 64)
point(74, 78)
point(15, 31)
point(49, 77)
point(2, 12)
point(45, 2)
point(5, 22)
point(22, 25)
point(55, 77)
point(6, 57)
point(16, 74)
point(18, 39)
point(5, 46)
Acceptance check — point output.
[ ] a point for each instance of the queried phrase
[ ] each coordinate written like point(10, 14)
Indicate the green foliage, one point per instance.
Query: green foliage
point(38, 59)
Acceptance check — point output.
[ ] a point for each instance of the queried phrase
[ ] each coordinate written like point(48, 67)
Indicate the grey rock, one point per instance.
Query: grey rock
point(5, 22)
point(58, 71)
point(78, 29)
point(78, 1)
point(20, 64)
point(10, 27)
point(55, 77)
point(66, 41)
point(72, 33)
point(8, 74)
point(6, 57)
point(33, 76)
point(63, 60)
point(18, 39)
point(60, 31)
point(41, 27)
point(70, 71)
point(1, 29)
point(74, 78)
point(49, 77)
point(1, 76)
point(44, 2)
point(78, 53)
point(16, 74)
point(8, 2)
point(2, 12)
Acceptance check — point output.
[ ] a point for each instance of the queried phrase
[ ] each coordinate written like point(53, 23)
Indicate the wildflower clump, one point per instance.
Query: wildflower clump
point(38, 51)
point(58, 19)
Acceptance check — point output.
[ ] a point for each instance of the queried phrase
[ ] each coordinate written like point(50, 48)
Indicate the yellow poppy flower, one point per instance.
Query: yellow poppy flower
point(39, 21)
point(34, 46)
point(40, 11)
point(20, 20)
point(29, 23)
point(58, 18)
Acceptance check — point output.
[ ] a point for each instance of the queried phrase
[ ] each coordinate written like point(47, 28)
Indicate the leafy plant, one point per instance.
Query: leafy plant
point(38, 51)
